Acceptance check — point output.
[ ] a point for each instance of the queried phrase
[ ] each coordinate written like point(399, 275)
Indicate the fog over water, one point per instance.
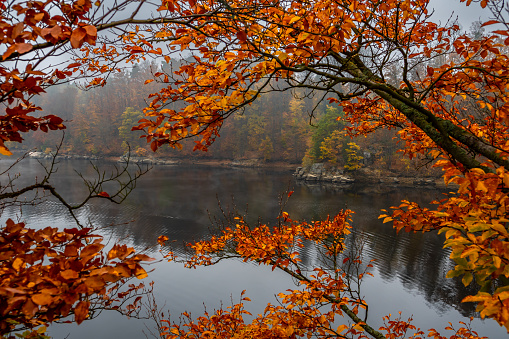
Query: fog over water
point(409, 271)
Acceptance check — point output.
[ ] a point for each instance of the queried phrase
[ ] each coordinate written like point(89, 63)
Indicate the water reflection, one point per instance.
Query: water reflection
point(176, 202)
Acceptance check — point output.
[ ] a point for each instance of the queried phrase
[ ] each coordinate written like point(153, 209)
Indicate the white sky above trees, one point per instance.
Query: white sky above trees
point(465, 14)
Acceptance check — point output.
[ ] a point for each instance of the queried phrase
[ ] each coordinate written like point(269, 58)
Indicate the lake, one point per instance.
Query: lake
point(177, 201)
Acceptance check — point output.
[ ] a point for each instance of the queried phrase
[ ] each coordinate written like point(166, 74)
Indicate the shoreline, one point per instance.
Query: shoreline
point(318, 173)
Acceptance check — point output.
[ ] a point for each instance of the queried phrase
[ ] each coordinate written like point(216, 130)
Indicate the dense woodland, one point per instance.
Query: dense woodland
point(291, 126)
point(283, 125)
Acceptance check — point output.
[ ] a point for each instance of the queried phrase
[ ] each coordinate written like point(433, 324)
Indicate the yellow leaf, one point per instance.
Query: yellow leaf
point(294, 19)
point(506, 179)
point(499, 228)
point(469, 251)
point(283, 56)
point(18, 262)
point(289, 331)
point(5, 151)
point(481, 187)
point(140, 272)
point(342, 328)
point(358, 326)
point(497, 262)
point(467, 279)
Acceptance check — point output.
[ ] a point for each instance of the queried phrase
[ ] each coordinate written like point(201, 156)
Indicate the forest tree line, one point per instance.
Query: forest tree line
point(280, 126)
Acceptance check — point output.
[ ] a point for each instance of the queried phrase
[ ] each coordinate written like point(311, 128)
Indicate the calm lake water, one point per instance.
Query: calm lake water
point(409, 271)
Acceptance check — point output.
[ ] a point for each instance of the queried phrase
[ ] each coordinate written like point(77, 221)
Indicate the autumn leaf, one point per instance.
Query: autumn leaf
point(77, 37)
point(140, 273)
point(69, 274)
point(162, 239)
point(42, 299)
point(81, 311)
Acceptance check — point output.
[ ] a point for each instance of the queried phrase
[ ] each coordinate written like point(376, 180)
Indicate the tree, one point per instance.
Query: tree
point(49, 274)
point(332, 147)
point(341, 50)
point(353, 161)
point(346, 49)
point(327, 125)
point(129, 118)
point(36, 35)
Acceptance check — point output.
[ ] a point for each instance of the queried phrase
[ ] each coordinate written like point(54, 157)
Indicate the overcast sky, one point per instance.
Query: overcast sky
point(465, 14)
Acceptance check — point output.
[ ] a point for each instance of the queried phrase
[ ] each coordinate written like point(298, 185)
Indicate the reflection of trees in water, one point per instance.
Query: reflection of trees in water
point(421, 264)
point(417, 260)
point(174, 201)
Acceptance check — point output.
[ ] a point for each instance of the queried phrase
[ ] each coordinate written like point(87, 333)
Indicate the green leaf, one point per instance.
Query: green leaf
point(467, 279)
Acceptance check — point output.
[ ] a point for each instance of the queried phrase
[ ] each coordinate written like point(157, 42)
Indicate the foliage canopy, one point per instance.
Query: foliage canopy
point(386, 63)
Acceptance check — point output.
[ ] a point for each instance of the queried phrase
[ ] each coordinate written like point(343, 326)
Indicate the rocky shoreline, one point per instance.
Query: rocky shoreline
point(319, 173)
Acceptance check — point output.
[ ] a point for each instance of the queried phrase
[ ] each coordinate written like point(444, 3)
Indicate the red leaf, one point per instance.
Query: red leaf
point(73, 65)
point(490, 22)
point(430, 70)
point(242, 36)
point(104, 194)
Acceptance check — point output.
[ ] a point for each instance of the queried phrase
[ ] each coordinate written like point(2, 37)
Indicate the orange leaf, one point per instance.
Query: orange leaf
point(23, 47)
point(140, 272)
point(77, 37)
point(91, 30)
point(490, 22)
point(91, 250)
point(69, 274)
point(81, 311)
point(162, 239)
point(42, 298)
point(103, 194)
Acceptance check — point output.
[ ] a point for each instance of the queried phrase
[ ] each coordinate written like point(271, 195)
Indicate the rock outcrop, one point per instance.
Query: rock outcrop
point(320, 173)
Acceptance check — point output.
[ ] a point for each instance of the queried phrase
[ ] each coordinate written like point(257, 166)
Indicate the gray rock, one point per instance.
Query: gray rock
point(312, 177)
point(317, 169)
point(36, 155)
